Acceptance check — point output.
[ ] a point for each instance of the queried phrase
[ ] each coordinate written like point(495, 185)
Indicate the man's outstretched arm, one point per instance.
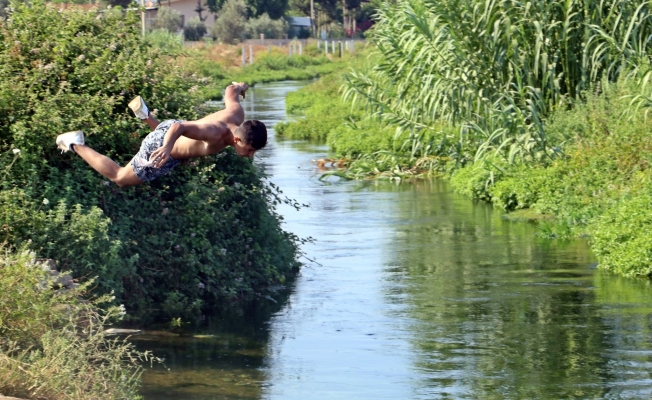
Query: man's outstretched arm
point(234, 111)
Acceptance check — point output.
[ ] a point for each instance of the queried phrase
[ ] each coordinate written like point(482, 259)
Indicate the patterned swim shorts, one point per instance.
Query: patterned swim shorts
point(140, 162)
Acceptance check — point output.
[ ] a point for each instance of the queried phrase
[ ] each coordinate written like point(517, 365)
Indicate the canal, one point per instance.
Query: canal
point(412, 292)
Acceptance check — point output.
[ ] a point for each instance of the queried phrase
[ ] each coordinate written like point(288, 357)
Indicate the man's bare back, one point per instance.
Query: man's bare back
point(208, 135)
point(173, 140)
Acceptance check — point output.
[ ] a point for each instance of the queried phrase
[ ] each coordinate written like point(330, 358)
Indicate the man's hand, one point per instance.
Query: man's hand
point(159, 157)
point(241, 87)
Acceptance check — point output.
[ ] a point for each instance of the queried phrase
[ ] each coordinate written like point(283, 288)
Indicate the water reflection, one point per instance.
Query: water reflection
point(418, 294)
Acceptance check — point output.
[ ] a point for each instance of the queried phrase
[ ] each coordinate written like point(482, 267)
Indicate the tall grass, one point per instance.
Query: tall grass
point(496, 69)
point(52, 343)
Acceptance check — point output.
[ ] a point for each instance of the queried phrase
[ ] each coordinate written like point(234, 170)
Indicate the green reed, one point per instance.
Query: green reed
point(496, 69)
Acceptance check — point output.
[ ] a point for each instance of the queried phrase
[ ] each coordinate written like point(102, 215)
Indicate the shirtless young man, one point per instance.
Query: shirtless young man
point(174, 140)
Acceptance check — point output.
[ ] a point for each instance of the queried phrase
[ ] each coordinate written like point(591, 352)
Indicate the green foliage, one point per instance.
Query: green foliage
point(230, 25)
point(274, 8)
point(364, 137)
point(52, 344)
point(169, 19)
point(522, 187)
point(621, 236)
point(208, 232)
point(496, 69)
point(165, 41)
point(194, 29)
point(322, 107)
point(476, 180)
point(602, 186)
point(272, 29)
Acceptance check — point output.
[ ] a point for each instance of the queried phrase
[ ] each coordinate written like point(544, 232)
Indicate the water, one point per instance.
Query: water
point(417, 293)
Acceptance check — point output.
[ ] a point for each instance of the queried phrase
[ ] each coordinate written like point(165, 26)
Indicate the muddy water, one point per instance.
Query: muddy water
point(416, 293)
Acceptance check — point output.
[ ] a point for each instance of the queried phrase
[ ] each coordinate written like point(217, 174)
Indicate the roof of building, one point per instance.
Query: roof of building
point(300, 21)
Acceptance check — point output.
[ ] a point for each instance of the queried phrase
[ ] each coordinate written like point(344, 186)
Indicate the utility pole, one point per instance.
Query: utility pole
point(142, 16)
point(312, 18)
point(344, 15)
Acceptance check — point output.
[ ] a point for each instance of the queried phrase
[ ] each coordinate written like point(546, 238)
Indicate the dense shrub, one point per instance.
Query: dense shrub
point(204, 235)
point(476, 180)
point(621, 236)
point(194, 29)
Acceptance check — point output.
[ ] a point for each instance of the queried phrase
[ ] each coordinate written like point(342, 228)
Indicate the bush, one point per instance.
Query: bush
point(231, 22)
point(621, 236)
point(52, 344)
point(181, 234)
point(272, 29)
point(194, 29)
point(168, 19)
point(474, 180)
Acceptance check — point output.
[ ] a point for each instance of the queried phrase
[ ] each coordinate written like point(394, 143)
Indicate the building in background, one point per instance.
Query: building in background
point(188, 9)
point(299, 27)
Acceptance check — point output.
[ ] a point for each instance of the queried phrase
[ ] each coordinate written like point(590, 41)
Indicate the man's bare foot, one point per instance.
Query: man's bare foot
point(242, 87)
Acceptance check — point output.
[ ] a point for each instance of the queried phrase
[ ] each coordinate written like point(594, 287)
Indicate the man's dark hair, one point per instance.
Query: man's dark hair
point(254, 133)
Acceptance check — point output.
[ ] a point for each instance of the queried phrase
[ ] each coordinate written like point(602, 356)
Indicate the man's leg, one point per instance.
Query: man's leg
point(121, 176)
point(151, 122)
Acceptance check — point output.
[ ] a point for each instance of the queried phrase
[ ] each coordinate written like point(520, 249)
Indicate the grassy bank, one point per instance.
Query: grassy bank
point(367, 146)
point(509, 116)
point(52, 344)
point(601, 188)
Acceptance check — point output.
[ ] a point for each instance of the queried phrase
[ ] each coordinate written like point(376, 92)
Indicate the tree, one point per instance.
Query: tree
point(194, 29)
point(272, 29)
point(274, 8)
point(213, 5)
point(168, 18)
point(231, 22)
point(332, 8)
point(117, 3)
point(199, 10)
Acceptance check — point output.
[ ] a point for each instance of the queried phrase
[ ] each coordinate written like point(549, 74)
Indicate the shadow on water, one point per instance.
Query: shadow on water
point(419, 294)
